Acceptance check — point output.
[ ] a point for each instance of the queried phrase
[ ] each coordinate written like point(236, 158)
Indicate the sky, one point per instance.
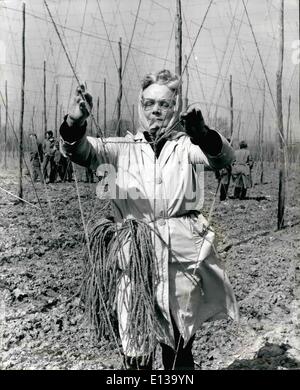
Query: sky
point(91, 29)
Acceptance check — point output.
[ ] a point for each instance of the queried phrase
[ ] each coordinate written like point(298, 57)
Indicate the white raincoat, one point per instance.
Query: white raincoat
point(166, 192)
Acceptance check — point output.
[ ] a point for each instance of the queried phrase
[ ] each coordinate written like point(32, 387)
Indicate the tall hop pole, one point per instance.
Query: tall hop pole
point(6, 126)
point(104, 108)
point(186, 97)
point(178, 48)
point(45, 101)
point(262, 127)
point(56, 110)
point(282, 168)
point(22, 109)
point(231, 107)
point(120, 89)
point(288, 135)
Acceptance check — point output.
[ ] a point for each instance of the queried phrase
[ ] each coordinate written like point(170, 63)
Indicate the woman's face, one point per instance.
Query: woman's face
point(158, 103)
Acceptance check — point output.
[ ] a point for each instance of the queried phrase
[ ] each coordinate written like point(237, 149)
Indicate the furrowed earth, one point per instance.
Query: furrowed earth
point(42, 323)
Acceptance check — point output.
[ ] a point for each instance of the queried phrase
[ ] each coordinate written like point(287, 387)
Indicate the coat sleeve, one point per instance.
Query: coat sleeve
point(221, 160)
point(88, 151)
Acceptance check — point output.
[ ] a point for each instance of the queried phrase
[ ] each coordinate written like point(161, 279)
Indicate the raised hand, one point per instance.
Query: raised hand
point(81, 107)
point(193, 122)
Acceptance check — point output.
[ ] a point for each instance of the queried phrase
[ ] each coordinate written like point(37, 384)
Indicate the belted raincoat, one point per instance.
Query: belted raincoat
point(166, 192)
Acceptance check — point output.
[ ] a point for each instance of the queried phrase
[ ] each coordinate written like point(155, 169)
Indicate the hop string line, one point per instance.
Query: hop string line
point(81, 211)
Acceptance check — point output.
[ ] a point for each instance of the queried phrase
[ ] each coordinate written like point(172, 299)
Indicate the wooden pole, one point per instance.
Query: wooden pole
point(22, 110)
point(56, 110)
point(259, 136)
point(178, 48)
point(42, 126)
point(12, 147)
point(262, 127)
point(239, 128)
point(133, 122)
point(32, 120)
point(60, 114)
point(291, 143)
point(45, 101)
point(270, 146)
point(97, 117)
point(288, 130)
point(6, 126)
point(98, 105)
point(231, 107)
point(186, 98)
point(282, 173)
point(104, 108)
point(120, 90)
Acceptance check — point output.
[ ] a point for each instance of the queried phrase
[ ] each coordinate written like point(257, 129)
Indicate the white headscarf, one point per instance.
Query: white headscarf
point(174, 129)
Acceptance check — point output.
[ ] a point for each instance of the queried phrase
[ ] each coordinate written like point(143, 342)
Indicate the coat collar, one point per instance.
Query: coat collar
point(167, 150)
point(139, 136)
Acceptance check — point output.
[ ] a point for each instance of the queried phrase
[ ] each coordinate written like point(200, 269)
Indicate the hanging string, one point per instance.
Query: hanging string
point(75, 75)
point(103, 303)
point(197, 36)
point(259, 53)
point(22, 199)
point(77, 190)
point(78, 48)
point(196, 64)
point(128, 51)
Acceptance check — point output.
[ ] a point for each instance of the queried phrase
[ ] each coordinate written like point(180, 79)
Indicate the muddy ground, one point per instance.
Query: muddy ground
point(41, 319)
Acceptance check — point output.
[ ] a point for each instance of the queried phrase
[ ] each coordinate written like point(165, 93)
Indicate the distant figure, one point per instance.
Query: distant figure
point(56, 160)
point(49, 170)
point(66, 169)
point(63, 165)
point(36, 158)
point(223, 176)
point(241, 171)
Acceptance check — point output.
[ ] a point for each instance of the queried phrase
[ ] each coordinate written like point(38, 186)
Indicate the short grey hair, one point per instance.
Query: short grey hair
point(163, 77)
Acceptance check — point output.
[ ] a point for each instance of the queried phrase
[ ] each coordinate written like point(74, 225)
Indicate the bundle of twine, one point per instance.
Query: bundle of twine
point(102, 277)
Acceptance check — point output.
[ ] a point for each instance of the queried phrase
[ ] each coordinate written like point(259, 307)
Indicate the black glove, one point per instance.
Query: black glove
point(74, 126)
point(81, 107)
point(208, 140)
point(194, 124)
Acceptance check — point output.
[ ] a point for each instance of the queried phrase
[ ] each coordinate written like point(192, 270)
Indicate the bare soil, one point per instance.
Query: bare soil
point(42, 325)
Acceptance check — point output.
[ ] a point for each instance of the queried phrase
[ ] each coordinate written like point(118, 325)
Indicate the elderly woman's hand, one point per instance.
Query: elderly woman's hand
point(81, 107)
point(194, 123)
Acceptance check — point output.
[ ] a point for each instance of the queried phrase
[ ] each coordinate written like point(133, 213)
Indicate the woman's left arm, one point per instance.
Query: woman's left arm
point(216, 148)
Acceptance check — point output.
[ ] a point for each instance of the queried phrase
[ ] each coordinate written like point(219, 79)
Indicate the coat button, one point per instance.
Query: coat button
point(159, 180)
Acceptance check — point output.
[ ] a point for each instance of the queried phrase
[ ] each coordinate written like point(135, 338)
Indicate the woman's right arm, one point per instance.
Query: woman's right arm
point(81, 149)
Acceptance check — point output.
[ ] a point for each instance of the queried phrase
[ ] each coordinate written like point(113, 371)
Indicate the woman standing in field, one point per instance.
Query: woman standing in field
point(155, 265)
point(241, 171)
